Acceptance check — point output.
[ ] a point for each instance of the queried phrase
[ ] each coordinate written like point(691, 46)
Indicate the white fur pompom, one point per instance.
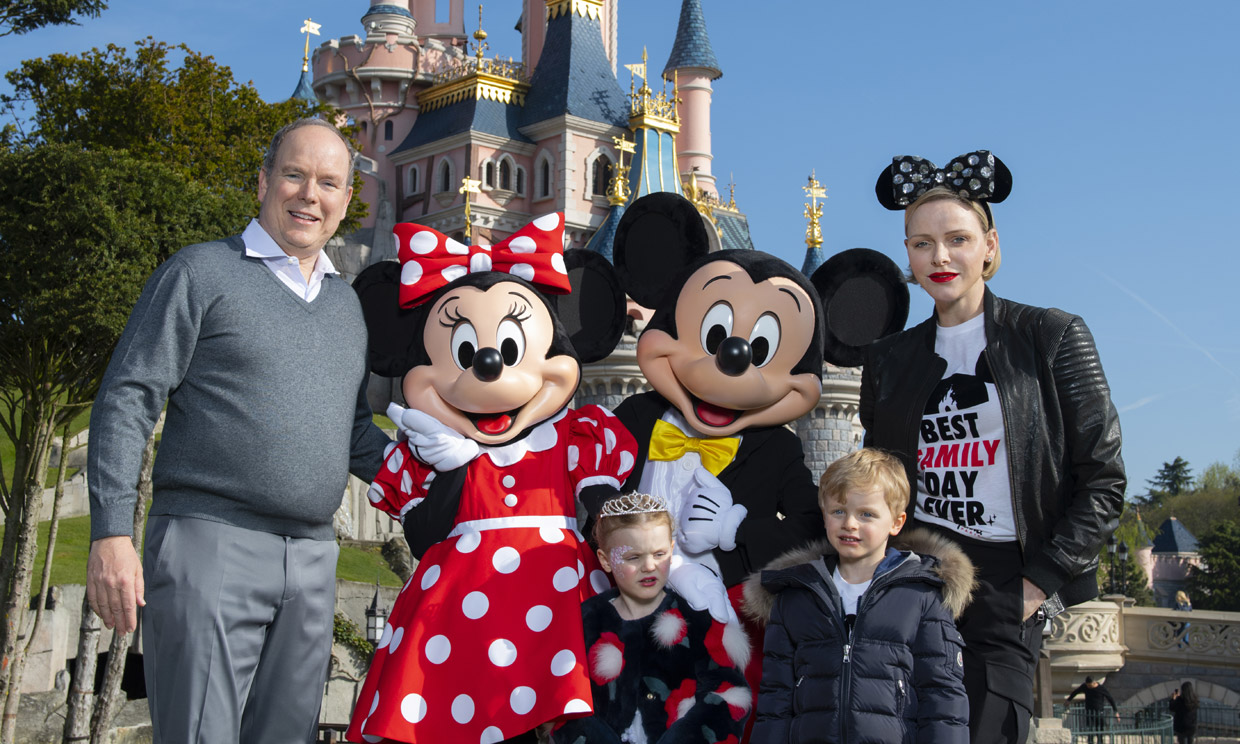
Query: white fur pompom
point(737, 697)
point(736, 643)
point(606, 661)
point(684, 707)
point(669, 628)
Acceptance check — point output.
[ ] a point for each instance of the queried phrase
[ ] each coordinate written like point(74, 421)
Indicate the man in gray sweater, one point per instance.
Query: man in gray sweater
point(259, 350)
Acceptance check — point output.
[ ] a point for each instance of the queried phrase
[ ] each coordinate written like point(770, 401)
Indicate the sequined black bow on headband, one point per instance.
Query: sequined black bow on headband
point(979, 176)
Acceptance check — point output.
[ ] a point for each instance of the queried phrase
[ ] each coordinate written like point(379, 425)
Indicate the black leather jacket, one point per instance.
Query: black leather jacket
point(1060, 427)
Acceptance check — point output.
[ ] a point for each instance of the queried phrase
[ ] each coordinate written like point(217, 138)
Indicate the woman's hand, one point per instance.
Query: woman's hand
point(1034, 597)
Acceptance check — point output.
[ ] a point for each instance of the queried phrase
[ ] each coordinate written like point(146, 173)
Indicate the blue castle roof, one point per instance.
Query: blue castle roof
point(389, 10)
point(304, 90)
point(1174, 537)
point(733, 231)
point(603, 239)
point(813, 259)
point(692, 46)
point(574, 76)
point(469, 114)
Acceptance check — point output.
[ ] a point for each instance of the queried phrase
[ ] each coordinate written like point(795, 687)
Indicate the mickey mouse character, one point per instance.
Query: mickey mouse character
point(485, 640)
point(734, 352)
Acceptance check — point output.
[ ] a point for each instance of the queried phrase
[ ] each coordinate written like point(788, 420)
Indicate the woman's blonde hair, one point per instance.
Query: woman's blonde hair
point(941, 193)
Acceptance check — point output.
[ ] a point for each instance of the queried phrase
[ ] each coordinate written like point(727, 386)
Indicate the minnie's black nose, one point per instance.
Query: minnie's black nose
point(734, 356)
point(488, 365)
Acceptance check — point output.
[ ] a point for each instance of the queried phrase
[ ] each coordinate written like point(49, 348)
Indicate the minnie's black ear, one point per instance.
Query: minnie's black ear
point(883, 190)
point(864, 297)
point(395, 333)
point(1003, 181)
point(659, 234)
point(593, 314)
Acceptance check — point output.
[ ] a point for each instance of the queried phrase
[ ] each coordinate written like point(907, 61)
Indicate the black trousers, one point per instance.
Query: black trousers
point(1001, 649)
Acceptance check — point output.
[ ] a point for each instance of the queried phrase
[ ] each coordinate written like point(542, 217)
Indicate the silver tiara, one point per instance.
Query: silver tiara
point(633, 503)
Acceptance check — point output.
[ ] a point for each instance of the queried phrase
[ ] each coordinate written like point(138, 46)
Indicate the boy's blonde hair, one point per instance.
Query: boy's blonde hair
point(862, 470)
point(631, 510)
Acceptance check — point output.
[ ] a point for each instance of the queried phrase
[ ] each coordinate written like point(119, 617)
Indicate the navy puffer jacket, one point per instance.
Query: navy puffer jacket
point(897, 677)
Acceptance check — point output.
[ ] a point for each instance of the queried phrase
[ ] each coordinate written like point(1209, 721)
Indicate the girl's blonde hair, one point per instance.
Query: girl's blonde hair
point(631, 510)
point(942, 193)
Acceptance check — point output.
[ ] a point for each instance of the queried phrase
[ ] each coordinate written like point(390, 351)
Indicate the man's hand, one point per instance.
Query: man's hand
point(114, 585)
point(1034, 597)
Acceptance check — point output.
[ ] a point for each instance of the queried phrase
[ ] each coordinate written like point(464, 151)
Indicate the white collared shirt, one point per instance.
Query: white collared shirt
point(258, 244)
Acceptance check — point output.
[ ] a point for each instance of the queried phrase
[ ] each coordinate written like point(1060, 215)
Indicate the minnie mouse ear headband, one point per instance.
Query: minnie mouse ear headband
point(977, 176)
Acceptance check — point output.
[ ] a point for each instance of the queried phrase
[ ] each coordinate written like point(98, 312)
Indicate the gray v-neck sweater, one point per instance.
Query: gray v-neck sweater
point(267, 411)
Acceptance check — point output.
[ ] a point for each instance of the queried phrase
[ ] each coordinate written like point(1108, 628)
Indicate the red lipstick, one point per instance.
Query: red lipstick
point(941, 278)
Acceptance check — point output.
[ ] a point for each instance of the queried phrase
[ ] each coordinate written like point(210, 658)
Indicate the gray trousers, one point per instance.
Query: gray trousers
point(236, 632)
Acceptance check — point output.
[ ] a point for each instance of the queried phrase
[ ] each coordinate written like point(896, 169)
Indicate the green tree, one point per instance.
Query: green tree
point(80, 230)
point(22, 16)
point(1172, 478)
point(1213, 585)
point(193, 117)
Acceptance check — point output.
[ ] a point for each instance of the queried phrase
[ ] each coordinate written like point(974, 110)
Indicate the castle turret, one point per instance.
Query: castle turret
point(692, 66)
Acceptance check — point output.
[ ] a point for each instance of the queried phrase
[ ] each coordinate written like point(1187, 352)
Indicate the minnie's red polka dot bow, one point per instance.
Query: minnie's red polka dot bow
point(429, 259)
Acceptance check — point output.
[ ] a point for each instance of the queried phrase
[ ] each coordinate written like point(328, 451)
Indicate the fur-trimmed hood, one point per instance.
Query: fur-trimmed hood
point(944, 558)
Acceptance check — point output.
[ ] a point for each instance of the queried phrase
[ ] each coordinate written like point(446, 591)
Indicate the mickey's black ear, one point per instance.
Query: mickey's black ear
point(593, 313)
point(394, 332)
point(864, 297)
point(659, 234)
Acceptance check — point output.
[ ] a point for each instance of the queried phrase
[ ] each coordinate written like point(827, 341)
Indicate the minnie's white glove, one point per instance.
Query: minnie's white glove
point(433, 443)
point(708, 518)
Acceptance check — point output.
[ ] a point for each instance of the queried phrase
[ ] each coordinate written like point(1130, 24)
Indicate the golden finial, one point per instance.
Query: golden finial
point(308, 27)
point(480, 39)
point(618, 189)
point(813, 210)
point(468, 186)
point(731, 192)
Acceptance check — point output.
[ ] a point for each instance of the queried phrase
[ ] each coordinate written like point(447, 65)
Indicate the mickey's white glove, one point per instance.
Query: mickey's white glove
point(433, 443)
point(703, 590)
point(708, 518)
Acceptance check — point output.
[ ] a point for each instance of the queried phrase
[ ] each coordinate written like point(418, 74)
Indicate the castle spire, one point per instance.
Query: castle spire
point(692, 46)
point(813, 231)
point(304, 89)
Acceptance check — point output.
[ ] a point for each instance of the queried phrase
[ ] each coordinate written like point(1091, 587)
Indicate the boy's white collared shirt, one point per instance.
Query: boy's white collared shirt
point(258, 244)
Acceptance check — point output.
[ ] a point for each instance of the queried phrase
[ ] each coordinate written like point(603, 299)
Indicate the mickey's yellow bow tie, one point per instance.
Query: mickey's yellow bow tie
point(669, 443)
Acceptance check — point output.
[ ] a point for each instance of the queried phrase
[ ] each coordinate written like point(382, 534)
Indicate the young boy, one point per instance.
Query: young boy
point(860, 644)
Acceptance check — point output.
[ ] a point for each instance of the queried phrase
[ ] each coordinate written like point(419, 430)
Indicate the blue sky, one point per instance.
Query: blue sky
point(1118, 121)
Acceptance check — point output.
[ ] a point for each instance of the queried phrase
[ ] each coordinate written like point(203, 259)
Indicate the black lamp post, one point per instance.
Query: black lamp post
point(1111, 579)
point(1123, 568)
point(376, 618)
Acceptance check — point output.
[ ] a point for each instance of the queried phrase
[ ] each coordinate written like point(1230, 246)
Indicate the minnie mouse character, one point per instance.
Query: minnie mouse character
point(734, 352)
point(485, 640)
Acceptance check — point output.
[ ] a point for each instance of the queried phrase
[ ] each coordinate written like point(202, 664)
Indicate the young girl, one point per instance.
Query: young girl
point(659, 670)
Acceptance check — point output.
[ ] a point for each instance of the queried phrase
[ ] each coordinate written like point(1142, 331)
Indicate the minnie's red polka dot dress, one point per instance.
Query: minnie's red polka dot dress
point(485, 641)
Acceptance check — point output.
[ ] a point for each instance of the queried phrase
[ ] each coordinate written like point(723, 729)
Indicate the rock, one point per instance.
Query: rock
point(396, 552)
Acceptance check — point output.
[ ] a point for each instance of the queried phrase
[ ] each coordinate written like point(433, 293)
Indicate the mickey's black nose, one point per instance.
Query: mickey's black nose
point(488, 364)
point(733, 357)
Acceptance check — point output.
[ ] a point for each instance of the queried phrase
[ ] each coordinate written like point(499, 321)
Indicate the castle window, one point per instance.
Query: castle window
point(488, 175)
point(542, 183)
point(521, 181)
point(445, 175)
point(598, 175)
point(411, 179)
point(363, 127)
point(387, 130)
point(505, 175)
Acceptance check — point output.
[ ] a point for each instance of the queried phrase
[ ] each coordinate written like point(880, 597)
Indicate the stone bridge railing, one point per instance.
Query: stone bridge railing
point(1145, 651)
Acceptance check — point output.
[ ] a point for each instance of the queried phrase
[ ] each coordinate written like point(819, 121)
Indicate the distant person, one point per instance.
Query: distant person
point(1096, 699)
point(860, 645)
point(1183, 708)
point(1182, 602)
point(259, 350)
point(1020, 465)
